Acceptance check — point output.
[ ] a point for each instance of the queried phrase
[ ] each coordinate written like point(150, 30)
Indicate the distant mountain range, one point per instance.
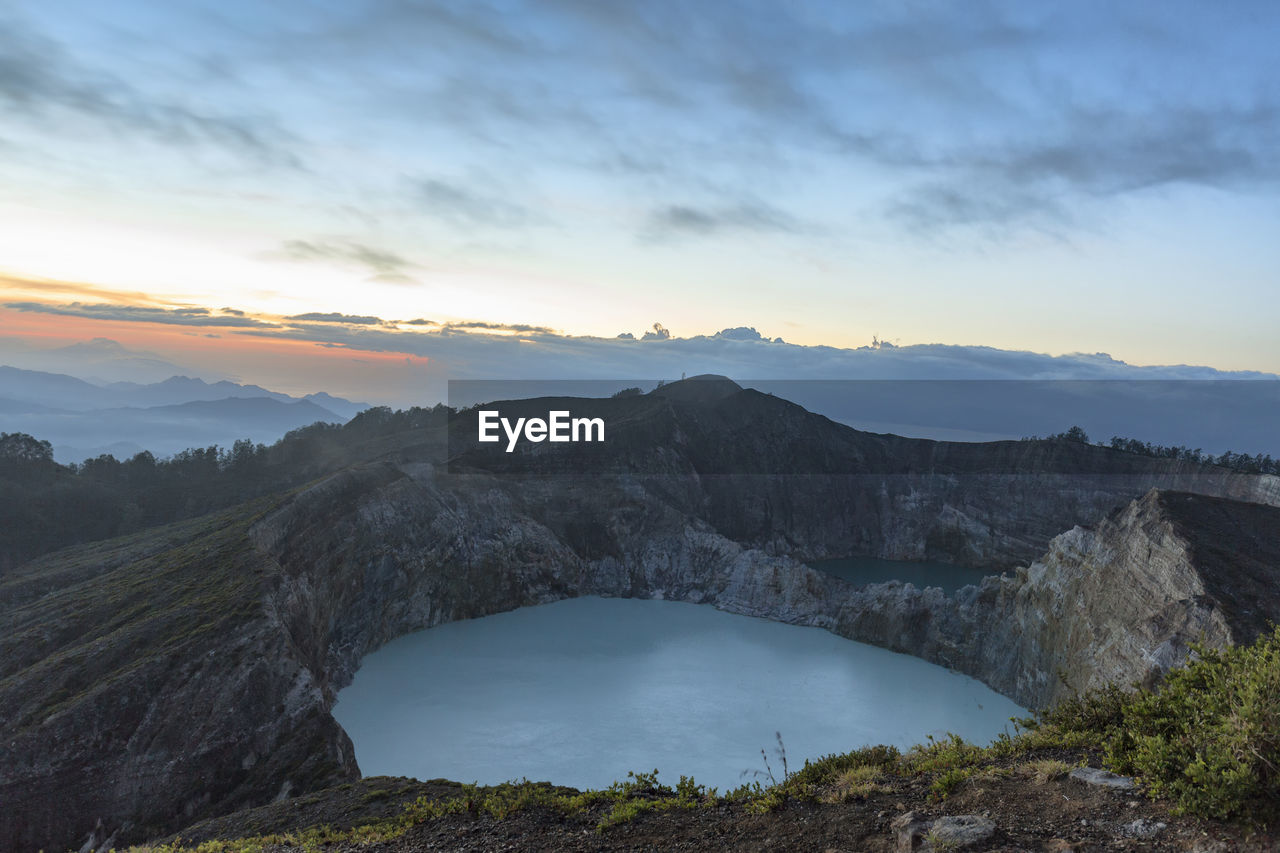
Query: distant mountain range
point(100, 360)
point(82, 419)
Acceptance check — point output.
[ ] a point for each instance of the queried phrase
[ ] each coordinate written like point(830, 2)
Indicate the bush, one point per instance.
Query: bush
point(942, 754)
point(946, 783)
point(823, 770)
point(1208, 738)
point(856, 783)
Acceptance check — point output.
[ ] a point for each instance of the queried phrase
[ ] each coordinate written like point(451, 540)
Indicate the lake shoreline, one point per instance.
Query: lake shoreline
point(583, 690)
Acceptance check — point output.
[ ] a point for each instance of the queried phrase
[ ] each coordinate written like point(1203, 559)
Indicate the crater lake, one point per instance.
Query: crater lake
point(581, 691)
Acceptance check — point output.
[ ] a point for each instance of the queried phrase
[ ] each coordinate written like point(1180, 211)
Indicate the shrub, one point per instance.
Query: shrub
point(827, 768)
point(1208, 738)
point(946, 783)
point(949, 753)
point(856, 783)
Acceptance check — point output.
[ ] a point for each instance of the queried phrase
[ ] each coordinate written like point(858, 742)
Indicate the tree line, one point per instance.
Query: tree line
point(1245, 463)
point(45, 505)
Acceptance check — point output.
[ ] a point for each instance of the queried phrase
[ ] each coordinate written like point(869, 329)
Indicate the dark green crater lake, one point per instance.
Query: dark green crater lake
point(869, 570)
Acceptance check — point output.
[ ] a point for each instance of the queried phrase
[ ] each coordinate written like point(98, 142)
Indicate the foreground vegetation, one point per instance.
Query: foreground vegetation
point(1208, 739)
point(1207, 742)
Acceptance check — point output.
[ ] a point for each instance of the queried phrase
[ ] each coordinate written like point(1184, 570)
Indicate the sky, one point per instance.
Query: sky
point(318, 191)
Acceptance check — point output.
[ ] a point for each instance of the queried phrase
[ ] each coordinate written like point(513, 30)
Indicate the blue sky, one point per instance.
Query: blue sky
point(1095, 177)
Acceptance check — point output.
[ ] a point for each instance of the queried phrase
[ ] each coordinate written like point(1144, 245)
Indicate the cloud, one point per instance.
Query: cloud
point(349, 319)
point(39, 79)
point(1093, 154)
point(321, 327)
point(490, 350)
point(937, 205)
point(385, 265)
point(988, 114)
point(482, 349)
point(740, 333)
point(464, 206)
point(498, 327)
point(692, 93)
point(83, 290)
point(680, 220)
point(672, 123)
point(975, 116)
point(140, 314)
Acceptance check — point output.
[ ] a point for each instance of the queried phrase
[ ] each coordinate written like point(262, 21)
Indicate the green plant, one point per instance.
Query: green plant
point(946, 783)
point(856, 783)
point(823, 770)
point(942, 754)
point(1208, 738)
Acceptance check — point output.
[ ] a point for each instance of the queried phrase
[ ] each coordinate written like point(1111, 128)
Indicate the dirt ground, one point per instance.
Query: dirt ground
point(1061, 814)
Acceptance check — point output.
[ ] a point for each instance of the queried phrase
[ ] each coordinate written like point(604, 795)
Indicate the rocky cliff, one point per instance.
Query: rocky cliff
point(768, 474)
point(1120, 602)
point(190, 670)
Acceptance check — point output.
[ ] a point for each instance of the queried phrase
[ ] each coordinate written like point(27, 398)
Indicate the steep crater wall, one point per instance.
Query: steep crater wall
point(1119, 601)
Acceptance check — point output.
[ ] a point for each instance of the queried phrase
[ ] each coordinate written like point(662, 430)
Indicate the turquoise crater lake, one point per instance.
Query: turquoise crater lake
point(581, 691)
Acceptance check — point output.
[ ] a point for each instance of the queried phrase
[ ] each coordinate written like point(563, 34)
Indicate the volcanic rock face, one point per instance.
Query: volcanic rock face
point(189, 671)
point(768, 474)
point(1118, 603)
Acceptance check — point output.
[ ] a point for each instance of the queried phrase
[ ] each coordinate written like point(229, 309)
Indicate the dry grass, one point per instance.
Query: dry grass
point(855, 784)
point(1046, 770)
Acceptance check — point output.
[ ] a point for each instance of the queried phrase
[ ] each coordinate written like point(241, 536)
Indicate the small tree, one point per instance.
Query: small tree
point(19, 447)
point(1076, 434)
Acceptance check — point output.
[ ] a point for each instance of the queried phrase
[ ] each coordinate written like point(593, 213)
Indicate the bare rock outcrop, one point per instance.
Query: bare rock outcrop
point(1118, 603)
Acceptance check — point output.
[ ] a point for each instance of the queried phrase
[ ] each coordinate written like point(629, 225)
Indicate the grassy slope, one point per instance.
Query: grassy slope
point(74, 622)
